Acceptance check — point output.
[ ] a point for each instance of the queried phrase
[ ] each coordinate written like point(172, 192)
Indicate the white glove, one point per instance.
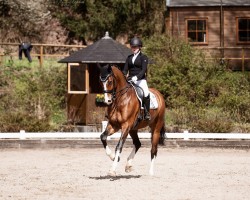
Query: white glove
point(134, 78)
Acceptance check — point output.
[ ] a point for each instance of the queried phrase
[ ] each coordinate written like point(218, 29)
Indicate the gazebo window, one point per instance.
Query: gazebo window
point(196, 30)
point(78, 79)
point(243, 30)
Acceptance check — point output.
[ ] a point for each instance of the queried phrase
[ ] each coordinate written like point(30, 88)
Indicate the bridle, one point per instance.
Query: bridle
point(113, 91)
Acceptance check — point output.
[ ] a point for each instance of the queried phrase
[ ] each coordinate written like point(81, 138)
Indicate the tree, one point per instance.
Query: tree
point(90, 19)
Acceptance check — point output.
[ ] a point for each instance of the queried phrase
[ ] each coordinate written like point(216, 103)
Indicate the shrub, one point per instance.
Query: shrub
point(14, 122)
point(234, 96)
point(196, 88)
point(200, 120)
point(34, 98)
point(213, 121)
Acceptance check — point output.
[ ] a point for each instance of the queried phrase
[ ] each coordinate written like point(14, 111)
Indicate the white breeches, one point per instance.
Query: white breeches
point(143, 84)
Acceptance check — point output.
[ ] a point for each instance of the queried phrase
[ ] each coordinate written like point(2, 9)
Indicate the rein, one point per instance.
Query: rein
point(113, 91)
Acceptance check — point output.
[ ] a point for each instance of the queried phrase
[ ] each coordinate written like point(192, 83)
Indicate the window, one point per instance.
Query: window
point(78, 79)
point(197, 31)
point(243, 31)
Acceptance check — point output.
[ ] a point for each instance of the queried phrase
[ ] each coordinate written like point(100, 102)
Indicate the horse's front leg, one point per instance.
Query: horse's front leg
point(108, 131)
point(118, 151)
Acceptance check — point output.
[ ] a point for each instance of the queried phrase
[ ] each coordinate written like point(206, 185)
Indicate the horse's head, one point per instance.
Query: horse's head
point(107, 80)
point(113, 81)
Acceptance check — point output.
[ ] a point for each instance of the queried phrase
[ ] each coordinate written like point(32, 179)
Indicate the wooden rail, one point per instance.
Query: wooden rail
point(41, 53)
point(46, 45)
point(243, 57)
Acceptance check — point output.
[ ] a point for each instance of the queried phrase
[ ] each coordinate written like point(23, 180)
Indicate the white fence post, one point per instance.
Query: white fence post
point(185, 135)
point(22, 134)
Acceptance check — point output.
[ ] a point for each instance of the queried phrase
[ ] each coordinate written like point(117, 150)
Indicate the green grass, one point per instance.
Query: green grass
point(47, 62)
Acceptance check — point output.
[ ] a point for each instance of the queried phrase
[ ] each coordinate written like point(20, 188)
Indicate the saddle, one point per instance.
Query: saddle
point(140, 94)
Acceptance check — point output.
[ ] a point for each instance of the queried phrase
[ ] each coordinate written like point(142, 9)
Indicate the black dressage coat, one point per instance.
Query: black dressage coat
point(139, 68)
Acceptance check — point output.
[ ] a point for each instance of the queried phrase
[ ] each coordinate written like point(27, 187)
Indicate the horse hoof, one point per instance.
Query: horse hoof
point(111, 173)
point(112, 157)
point(128, 169)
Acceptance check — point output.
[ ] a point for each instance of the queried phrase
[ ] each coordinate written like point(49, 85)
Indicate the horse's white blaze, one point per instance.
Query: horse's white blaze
point(106, 97)
point(151, 170)
point(131, 157)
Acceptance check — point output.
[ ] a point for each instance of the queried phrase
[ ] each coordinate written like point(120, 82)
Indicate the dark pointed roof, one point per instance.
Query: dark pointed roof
point(105, 50)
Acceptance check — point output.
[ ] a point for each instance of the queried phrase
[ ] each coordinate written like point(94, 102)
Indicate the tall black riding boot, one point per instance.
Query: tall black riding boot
point(146, 101)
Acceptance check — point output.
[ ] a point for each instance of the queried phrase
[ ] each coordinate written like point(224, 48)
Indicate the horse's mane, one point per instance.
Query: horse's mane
point(118, 74)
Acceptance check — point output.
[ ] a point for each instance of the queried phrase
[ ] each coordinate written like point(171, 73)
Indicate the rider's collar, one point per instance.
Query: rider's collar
point(135, 54)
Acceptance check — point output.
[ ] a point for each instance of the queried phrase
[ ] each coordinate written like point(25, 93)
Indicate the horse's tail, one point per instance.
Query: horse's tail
point(162, 135)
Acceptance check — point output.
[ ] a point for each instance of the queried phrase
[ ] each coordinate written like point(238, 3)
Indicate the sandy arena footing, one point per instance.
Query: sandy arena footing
point(180, 174)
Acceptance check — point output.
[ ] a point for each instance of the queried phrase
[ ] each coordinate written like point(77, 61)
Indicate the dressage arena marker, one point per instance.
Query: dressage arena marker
point(96, 135)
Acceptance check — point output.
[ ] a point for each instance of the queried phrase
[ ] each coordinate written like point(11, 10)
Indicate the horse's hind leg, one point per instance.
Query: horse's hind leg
point(137, 145)
point(154, 148)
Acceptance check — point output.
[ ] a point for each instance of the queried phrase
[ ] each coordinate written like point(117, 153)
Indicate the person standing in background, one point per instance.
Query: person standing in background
point(25, 48)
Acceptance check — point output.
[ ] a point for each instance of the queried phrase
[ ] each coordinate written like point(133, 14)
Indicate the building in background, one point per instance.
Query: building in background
point(220, 26)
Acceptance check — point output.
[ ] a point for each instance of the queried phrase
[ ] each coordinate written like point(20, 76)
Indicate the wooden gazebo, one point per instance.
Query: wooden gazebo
point(83, 79)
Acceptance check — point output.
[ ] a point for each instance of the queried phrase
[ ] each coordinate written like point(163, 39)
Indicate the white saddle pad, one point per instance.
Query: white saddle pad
point(153, 101)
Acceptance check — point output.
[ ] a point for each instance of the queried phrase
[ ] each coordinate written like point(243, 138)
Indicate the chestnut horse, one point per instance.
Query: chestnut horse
point(122, 113)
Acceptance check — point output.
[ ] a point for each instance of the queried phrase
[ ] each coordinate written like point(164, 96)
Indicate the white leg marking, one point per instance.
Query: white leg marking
point(115, 163)
point(131, 157)
point(151, 171)
point(128, 167)
point(109, 153)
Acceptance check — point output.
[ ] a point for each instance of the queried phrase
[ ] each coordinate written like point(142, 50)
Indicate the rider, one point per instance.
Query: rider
point(136, 64)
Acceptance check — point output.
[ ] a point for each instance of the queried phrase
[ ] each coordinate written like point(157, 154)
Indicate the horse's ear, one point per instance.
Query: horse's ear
point(117, 66)
point(109, 68)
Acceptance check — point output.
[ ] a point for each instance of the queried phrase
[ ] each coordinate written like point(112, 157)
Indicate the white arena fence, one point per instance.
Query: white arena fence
point(22, 135)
